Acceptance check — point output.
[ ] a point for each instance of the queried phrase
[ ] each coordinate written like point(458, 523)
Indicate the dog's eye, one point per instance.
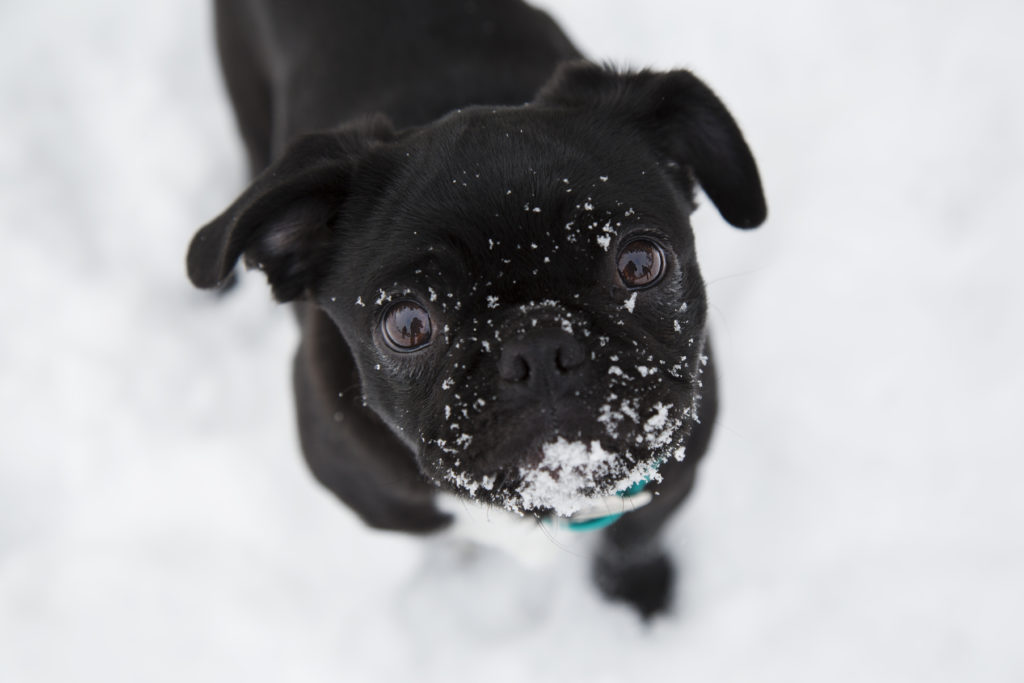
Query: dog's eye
point(406, 326)
point(641, 263)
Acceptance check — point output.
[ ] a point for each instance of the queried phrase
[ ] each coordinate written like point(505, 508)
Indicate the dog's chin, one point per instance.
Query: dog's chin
point(570, 474)
point(566, 477)
point(558, 472)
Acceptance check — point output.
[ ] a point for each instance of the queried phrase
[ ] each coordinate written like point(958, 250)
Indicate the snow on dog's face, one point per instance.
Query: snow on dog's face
point(529, 314)
point(517, 286)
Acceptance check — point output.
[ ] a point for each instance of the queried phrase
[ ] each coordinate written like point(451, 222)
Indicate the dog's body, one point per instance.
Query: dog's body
point(501, 300)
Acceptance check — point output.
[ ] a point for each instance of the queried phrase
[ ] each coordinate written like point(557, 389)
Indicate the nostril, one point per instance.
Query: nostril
point(513, 368)
point(540, 357)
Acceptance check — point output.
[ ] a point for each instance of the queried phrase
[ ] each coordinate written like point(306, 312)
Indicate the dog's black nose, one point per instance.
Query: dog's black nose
point(541, 358)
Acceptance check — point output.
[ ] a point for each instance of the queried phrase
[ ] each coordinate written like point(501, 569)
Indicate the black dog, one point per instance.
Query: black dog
point(501, 300)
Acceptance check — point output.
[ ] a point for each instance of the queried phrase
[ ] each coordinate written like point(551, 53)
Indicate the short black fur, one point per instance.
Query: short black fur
point(460, 157)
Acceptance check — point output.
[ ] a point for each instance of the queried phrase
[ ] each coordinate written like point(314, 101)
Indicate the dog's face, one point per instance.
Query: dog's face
point(525, 278)
point(518, 286)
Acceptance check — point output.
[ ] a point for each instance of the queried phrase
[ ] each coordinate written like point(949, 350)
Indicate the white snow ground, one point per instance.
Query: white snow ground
point(860, 517)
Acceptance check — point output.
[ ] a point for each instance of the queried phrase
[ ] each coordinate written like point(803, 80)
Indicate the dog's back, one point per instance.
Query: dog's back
point(291, 71)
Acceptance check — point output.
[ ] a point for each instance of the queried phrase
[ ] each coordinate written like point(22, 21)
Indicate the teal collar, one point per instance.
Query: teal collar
point(605, 511)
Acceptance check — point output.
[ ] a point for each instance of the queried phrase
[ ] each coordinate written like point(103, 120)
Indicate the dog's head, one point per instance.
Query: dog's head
point(518, 285)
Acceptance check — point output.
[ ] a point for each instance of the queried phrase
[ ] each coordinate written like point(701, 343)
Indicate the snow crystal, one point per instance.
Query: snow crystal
point(659, 419)
point(604, 241)
point(629, 410)
point(463, 481)
point(630, 303)
point(610, 418)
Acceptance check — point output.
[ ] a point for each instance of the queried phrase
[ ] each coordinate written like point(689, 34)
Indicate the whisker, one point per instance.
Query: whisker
point(553, 540)
point(745, 273)
point(720, 317)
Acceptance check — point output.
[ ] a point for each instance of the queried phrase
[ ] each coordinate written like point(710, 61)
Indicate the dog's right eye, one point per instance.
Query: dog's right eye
point(406, 326)
point(641, 263)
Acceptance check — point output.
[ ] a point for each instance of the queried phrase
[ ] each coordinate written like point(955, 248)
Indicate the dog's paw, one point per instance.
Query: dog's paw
point(645, 582)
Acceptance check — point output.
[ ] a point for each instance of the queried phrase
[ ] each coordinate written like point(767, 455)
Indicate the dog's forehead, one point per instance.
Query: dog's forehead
point(519, 146)
point(523, 189)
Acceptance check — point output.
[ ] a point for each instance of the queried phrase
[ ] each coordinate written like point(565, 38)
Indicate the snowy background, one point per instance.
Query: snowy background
point(860, 516)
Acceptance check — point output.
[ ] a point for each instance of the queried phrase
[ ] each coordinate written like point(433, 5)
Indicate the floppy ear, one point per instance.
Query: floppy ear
point(282, 222)
point(683, 120)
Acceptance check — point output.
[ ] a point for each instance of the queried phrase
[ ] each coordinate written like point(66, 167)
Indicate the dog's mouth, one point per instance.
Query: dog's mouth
point(571, 477)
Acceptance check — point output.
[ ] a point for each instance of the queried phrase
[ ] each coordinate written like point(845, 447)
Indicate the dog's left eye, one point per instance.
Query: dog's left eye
point(640, 263)
point(406, 326)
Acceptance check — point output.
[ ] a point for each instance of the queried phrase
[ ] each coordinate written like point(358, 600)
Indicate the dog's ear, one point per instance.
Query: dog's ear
point(282, 222)
point(681, 118)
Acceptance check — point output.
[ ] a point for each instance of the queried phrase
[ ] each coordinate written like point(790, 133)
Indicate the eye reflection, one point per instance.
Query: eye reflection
point(640, 263)
point(406, 326)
